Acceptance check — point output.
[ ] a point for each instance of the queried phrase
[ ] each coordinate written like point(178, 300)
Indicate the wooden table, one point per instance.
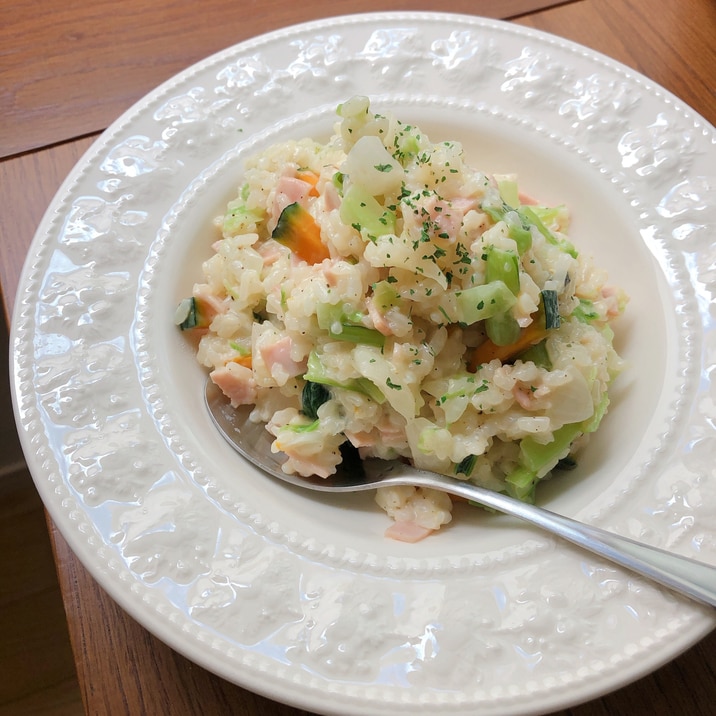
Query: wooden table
point(69, 69)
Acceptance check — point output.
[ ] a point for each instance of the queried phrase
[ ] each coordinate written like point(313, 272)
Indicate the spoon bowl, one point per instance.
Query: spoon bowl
point(250, 439)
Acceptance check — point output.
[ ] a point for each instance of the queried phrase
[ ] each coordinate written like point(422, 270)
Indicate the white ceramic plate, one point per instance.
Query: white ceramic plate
point(299, 596)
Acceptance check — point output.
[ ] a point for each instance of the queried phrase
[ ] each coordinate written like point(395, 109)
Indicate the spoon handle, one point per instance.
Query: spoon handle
point(695, 579)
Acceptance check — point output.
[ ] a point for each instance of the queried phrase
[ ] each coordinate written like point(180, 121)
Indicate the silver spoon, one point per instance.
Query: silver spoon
point(253, 441)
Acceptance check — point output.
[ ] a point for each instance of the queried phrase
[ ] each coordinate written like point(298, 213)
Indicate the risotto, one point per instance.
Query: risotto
point(377, 294)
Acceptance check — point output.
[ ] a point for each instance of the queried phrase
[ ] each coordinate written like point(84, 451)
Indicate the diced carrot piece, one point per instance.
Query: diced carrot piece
point(298, 231)
point(407, 532)
point(488, 350)
point(309, 177)
point(243, 360)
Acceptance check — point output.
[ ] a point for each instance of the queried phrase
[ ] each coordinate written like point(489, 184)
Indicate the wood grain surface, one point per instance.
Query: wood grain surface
point(116, 680)
point(669, 41)
point(63, 81)
point(77, 72)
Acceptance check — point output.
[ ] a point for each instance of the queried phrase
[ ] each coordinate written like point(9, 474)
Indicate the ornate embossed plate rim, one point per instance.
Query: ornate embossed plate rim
point(148, 603)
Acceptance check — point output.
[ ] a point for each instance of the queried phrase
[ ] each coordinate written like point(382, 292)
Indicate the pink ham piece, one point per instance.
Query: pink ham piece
point(307, 467)
point(386, 435)
point(211, 304)
point(277, 357)
point(361, 439)
point(613, 298)
point(290, 190)
point(407, 532)
point(331, 197)
point(270, 252)
point(236, 383)
point(379, 322)
point(446, 217)
point(527, 200)
point(527, 397)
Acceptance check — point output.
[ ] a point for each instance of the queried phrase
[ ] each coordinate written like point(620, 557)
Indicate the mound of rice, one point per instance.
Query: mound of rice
point(376, 293)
